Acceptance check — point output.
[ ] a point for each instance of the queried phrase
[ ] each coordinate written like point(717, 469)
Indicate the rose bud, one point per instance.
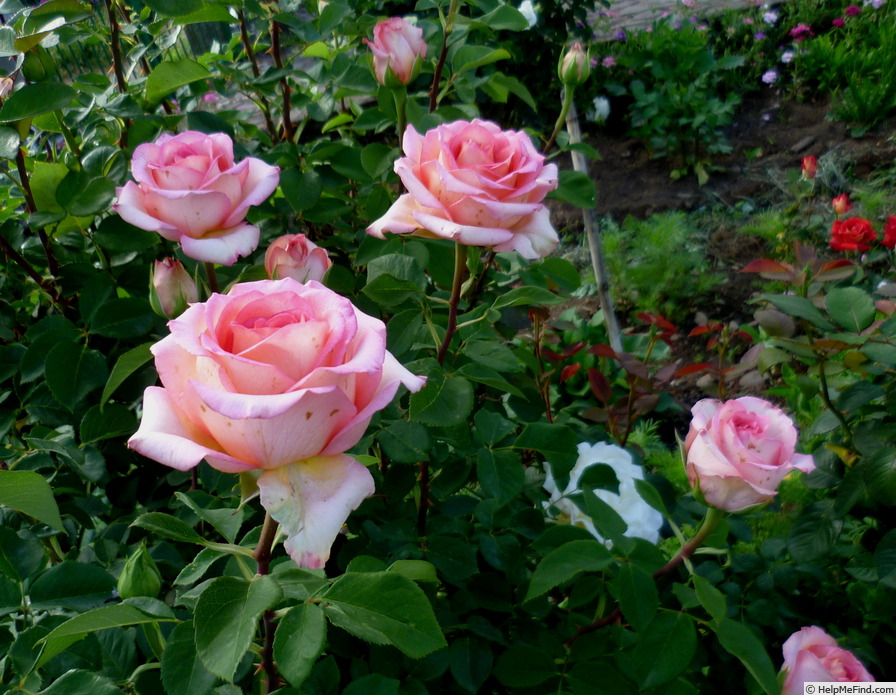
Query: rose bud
point(398, 51)
point(172, 288)
point(140, 576)
point(812, 655)
point(841, 204)
point(739, 451)
point(294, 256)
point(575, 66)
point(810, 167)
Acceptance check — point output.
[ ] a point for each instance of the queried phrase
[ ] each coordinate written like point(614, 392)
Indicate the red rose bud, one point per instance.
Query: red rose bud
point(575, 66)
point(853, 234)
point(841, 204)
point(889, 239)
point(810, 167)
point(172, 288)
point(294, 256)
point(398, 51)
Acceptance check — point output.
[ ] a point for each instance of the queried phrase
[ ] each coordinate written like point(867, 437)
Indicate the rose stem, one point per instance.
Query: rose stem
point(460, 268)
point(437, 75)
point(284, 84)
point(30, 208)
point(826, 397)
point(424, 498)
point(262, 557)
point(116, 47)
point(710, 521)
point(247, 46)
point(561, 119)
point(212, 277)
point(400, 95)
point(543, 380)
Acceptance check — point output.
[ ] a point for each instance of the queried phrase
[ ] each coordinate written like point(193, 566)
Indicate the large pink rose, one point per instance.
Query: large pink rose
point(739, 451)
point(398, 50)
point(281, 377)
point(190, 190)
point(476, 184)
point(812, 655)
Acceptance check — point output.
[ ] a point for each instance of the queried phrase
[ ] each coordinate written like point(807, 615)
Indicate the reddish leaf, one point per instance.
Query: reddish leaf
point(767, 265)
point(569, 371)
point(603, 351)
point(743, 335)
point(691, 369)
point(573, 349)
point(645, 404)
point(600, 385)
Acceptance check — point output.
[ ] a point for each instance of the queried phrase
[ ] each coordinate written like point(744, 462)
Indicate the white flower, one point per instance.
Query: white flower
point(642, 519)
point(770, 76)
point(600, 110)
point(527, 9)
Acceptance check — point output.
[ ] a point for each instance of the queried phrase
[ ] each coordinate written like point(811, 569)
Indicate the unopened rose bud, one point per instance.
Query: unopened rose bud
point(841, 204)
point(6, 85)
point(140, 576)
point(810, 167)
point(398, 51)
point(575, 66)
point(294, 256)
point(172, 288)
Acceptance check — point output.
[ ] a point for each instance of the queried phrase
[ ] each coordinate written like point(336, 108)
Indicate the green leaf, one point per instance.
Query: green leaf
point(226, 521)
point(445, 401)
point(82, 683)
point(393, 278)
point(103, 618)
point(815, 531)
point(225, 620)
point(168, 526)
point(880, 475)
point(636, 592)
point(299, 641)
point(885, 559)
point(523, 666)
point(301, 189)
point(417, 570)
point(130, 317)
point(491, 428)
point(575, 188)
point(503, 17)
point(557, 443)
point(851, 307)
point(377, 159)
point(384, 608)
point(29, 493)
point(800, 307)
point(9, 143)
point(405, 442)
point(712, 600)
point(665, 649)
point(21, 555)
point(175, 8)
point(471, 662)
point(493, 355)
point(470, 57)
point(36, 99)
point(606, 519)
point(527, 296)
point(72, 585)
point(739, 641)
point(500, 473)
point(101, 423)
point(182, 671)
point(563, 563)
point(73, 371)
point(170, 75)
point(8, 42)
point(126, 365)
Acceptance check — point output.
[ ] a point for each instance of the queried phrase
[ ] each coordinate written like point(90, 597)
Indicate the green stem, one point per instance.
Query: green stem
point(460, 269)
point(400, 95)
point(826, 397)
point(262, 556)
point(440, 65)
point(211, 276)
point(561, 119)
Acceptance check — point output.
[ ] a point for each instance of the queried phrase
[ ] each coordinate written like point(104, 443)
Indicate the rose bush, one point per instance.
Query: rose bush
point(398, 51)
point(473, 183)
point(852, 234)
point(812, 655)
point(643, 520)
point(739, 451)
point(189, 190)
point(279, 377)
point(295, 256)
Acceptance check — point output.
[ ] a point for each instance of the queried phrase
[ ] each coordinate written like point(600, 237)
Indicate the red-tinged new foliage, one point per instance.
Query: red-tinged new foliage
point(569, 371)
point(600, 386)
point(603, 350)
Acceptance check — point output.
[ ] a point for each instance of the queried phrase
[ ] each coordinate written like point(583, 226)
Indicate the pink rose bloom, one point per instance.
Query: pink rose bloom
point(739, 451)
point(190, 190)
point(294, 256)
point(475, 184)
point(279, 377)
point(812, 655)
point(398, 50)
point(172, 288)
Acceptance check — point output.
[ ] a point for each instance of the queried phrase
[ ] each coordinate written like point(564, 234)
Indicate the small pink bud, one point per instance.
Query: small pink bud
point(172, 288)
point(574, 67)
point(294, 256)
point(398, 51)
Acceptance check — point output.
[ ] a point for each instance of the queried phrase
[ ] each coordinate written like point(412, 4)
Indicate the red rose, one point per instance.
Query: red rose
point(852, 234)
point(890, 233)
